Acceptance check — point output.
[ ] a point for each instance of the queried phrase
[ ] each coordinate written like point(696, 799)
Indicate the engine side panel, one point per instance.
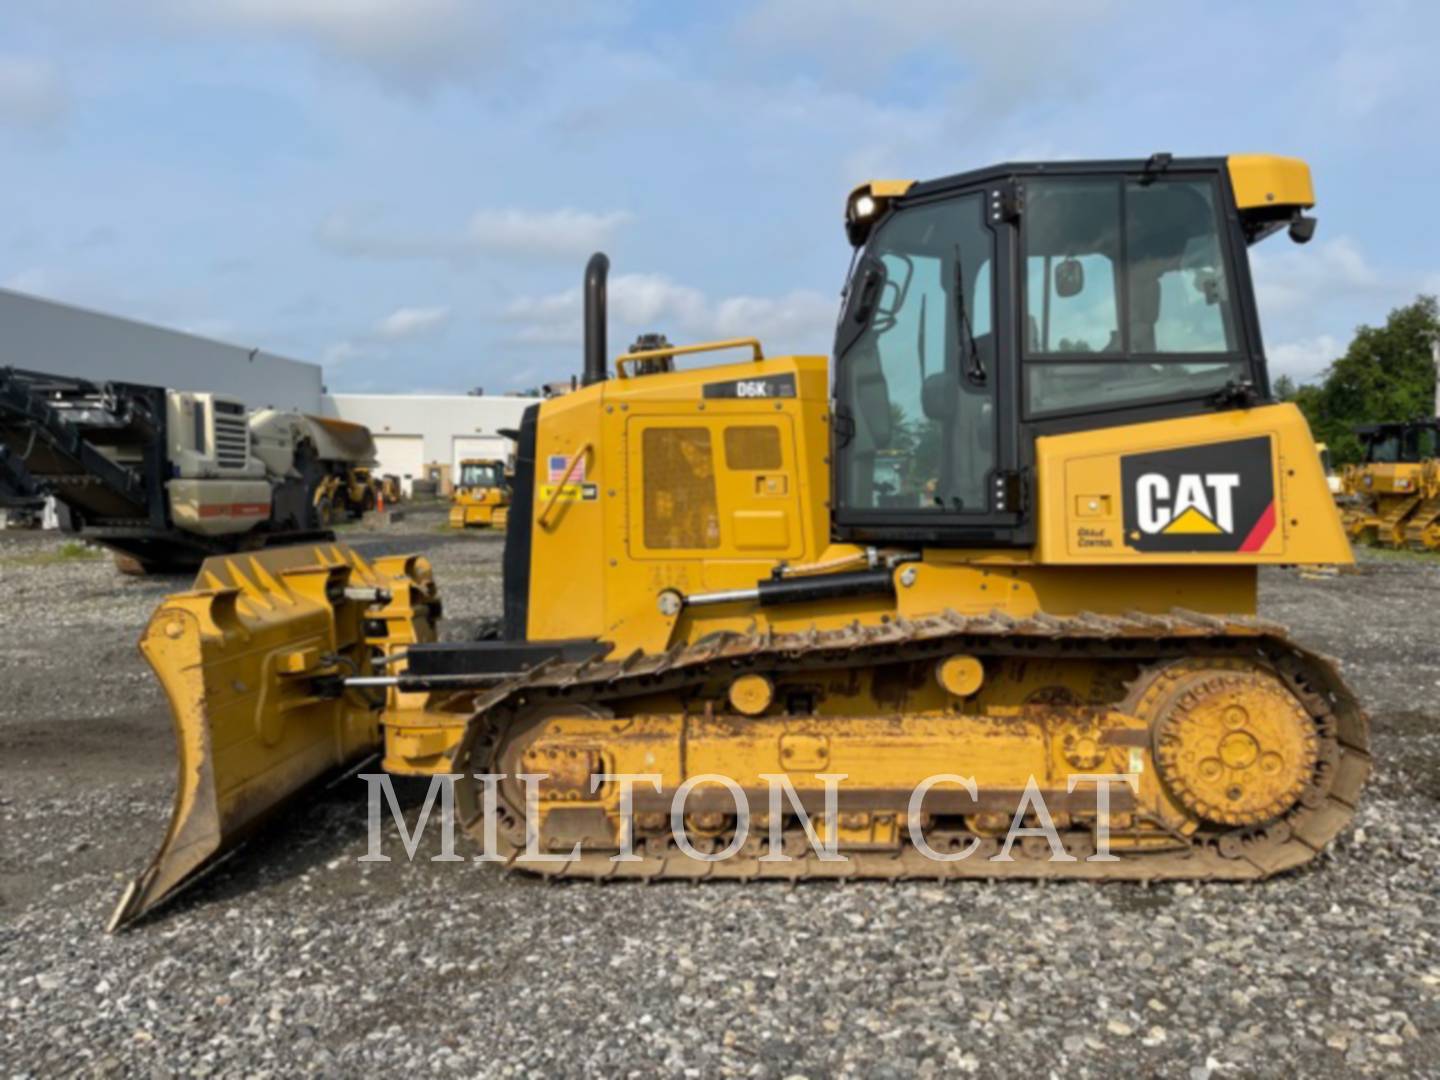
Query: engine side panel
point(695, 480)
point(1237, 487)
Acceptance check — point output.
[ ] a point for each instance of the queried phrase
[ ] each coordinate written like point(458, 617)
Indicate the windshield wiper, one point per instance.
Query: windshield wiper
point(974, 368)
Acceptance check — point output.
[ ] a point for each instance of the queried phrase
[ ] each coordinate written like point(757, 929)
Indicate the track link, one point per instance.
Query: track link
point(1325, 806)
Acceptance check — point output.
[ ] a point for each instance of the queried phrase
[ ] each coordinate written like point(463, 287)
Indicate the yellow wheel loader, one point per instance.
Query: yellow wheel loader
point(992, 573)
point(1396, 490)
point(482, 495)
point(346, 495)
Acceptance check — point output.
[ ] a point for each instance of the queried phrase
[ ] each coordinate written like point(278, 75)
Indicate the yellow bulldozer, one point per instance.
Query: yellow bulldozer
point(1392, 498)
point(482, 495)
point(998, 578)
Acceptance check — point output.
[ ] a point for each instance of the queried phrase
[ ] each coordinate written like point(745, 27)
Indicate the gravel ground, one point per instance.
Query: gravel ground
point(295, 957)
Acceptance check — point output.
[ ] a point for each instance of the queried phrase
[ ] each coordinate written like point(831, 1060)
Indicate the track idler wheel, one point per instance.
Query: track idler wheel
point(1231, 743)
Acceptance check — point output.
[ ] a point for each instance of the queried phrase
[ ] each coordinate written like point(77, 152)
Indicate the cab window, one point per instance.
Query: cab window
point(917, 384)
point(1127, 298)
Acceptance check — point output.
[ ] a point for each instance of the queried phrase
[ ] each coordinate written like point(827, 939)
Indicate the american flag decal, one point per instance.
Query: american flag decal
point(556, 470)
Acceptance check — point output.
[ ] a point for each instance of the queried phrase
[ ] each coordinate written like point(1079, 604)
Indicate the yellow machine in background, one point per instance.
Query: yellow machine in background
point(1011, 534)
point(1393, 497)
point(1333, 479)
point(346, 495)
point(482, 495)
point(390, 490)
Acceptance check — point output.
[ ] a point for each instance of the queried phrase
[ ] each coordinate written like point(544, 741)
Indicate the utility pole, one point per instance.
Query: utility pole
point(1435, 355)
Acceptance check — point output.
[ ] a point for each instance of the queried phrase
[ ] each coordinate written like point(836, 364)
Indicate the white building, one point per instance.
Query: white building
point(411, 431)
point(415, 430)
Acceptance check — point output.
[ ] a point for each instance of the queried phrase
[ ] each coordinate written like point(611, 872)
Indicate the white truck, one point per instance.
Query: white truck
point(166, 477)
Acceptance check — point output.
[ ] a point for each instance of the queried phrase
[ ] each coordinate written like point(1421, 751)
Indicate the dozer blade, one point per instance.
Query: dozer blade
point(252, 661)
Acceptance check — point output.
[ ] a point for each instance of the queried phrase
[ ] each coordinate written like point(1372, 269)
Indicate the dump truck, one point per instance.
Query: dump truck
point(1393, 496)
point(166, 478)
point(1001, 548)
point(481, 498)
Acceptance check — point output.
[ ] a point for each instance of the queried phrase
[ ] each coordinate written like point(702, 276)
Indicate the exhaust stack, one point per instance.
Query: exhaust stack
point(596, 271)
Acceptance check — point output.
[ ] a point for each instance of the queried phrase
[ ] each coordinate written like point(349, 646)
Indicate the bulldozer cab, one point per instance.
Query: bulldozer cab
point(481, 474)
point(990, 308)
point(1408, 443)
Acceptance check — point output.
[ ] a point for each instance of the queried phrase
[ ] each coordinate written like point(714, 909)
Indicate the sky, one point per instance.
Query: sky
point(406, 191)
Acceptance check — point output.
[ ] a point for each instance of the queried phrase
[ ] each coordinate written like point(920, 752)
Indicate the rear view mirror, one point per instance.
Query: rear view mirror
point(864, 297)
point(872, 284)
point(1069, 278)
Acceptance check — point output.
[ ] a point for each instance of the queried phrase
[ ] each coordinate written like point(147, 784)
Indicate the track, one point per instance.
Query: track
point(1325, 806)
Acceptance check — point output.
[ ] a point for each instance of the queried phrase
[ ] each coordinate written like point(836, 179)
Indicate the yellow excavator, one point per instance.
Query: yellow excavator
point(1009, 539)
point(482, 495)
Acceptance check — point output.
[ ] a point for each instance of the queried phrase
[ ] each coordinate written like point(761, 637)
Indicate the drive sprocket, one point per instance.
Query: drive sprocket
point(1232, 744)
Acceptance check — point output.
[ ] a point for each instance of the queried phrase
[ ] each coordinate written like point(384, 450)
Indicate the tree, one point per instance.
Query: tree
point(1387, 373)
point(1285, 388)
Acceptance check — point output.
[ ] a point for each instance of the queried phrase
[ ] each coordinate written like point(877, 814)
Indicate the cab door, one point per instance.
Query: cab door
point(925, 439)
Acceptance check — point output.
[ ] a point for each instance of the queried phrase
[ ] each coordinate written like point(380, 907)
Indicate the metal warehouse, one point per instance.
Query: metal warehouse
point(61, 339)
point(411, 431)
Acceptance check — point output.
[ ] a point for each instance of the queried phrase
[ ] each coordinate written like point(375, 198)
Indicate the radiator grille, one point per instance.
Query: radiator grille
point(680, 506)
point(232, 441)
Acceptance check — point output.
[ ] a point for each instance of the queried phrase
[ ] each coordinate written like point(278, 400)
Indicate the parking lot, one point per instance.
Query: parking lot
point(294, 956)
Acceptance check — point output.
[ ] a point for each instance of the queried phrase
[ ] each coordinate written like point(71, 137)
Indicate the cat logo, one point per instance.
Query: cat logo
point(1217, 497)
point(1203, 504)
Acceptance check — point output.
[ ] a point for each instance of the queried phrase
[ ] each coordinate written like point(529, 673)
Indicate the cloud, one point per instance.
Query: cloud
point(534, 234)
point(412, 45)
point(34, 280)
point(412, 42)
point(552, 233)
point(213, 328)
point(1305, 359)
point(802, 320)
point(856, 42)
point(406, 323)
point(33, 95)
point(339, 352)
point(1379, 61)
point(1310, 296)
point(1295, 277)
